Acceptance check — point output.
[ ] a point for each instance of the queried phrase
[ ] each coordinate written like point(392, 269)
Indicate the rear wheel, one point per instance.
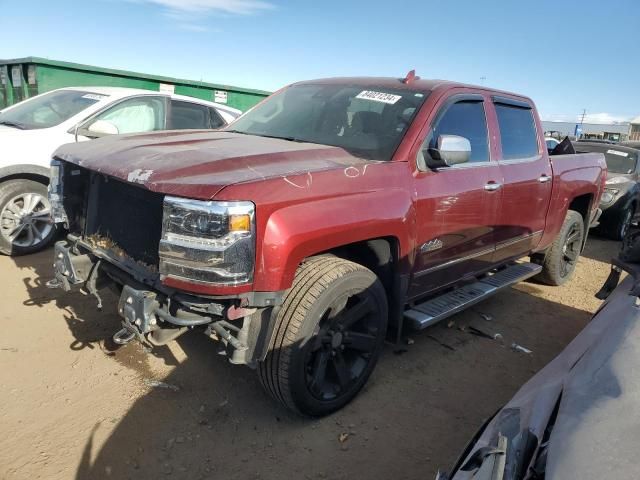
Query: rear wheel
point(622, 225)
point(328, 336)
point(25, 217)
point(561, 259)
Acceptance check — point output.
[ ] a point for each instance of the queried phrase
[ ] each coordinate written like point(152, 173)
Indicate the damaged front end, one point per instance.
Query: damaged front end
point(137, 242)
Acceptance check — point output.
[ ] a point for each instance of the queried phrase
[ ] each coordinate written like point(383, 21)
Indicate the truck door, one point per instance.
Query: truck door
point(456, 205)
point(527, 174)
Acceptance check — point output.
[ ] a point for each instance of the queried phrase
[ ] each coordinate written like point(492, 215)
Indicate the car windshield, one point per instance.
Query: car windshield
point(368, 122)
point(48, 110)
point(618, 160)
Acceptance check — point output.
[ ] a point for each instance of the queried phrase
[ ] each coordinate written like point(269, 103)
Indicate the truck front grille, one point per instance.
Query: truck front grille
point(125, 218)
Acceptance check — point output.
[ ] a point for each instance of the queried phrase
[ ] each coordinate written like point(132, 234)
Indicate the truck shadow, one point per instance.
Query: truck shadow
point(601, 249)
point(210, 419)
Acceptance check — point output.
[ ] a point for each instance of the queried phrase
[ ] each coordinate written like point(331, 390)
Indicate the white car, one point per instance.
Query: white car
point(32, 130)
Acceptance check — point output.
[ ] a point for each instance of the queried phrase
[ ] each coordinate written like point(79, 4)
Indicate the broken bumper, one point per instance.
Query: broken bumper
point(155, 315)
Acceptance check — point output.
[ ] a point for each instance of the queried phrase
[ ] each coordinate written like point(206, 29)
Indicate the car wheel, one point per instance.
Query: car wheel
point(328, 336)
point(623, 224)
point(25, 221)
point(561, 259)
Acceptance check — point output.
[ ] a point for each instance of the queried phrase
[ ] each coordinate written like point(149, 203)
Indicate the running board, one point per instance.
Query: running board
point(438, 308)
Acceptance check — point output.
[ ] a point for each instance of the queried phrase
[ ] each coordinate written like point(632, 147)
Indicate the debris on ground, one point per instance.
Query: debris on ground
point(159, 384)
point(441, 343)
point(481, 333)
point(485, 316)
point(519, 348)
point(343, 437)
point(410, 341)
point(451, 324)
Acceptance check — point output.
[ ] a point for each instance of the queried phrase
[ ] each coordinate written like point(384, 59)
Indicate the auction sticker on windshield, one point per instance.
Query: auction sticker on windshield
point(617, 152)
point(378, 97)
point(94, 96)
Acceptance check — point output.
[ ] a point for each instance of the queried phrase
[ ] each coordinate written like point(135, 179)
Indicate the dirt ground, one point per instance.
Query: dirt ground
point(72, 408)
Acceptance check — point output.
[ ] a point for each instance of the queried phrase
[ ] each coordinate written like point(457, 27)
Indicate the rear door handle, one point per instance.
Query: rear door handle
point(544, 178)
point(492, 186)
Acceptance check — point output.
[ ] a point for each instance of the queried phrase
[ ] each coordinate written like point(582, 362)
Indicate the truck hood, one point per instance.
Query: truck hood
point(198, 164)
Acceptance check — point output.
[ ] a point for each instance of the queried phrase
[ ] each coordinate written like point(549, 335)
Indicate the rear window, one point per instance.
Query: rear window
point(518, 132)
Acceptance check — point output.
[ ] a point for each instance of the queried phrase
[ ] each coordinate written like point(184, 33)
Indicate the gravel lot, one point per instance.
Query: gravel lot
point(71, 407)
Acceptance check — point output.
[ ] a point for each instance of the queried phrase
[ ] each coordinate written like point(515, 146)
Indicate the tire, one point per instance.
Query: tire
point(560, 261)
point(622, 224)
point(329, 334)
point(37, 230)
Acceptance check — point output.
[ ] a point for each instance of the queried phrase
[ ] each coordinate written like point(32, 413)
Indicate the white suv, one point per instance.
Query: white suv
point(32, 130)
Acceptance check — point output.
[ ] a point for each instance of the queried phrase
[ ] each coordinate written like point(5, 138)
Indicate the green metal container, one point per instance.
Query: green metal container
point(26, 77)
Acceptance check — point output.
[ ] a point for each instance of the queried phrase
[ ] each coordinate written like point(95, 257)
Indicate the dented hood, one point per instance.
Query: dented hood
point(198, 164)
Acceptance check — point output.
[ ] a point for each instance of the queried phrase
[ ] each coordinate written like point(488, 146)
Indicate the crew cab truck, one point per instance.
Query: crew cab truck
point(324, 218)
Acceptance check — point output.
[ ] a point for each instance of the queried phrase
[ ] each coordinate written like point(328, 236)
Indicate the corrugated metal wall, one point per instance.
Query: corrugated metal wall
point(24, 78)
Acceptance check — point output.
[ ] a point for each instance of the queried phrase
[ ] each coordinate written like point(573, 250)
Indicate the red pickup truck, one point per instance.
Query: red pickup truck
point(320, 222)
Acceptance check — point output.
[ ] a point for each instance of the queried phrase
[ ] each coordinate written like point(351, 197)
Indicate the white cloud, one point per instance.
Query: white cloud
point(602, 118)
point(235, 7)
point(191, 14)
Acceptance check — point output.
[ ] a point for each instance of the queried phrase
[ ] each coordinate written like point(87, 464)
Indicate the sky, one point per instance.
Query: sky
point(568, 55)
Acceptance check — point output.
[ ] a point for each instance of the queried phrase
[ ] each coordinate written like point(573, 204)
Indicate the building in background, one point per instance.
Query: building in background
point(617, 132)
point(634, 133)
point(26, 77)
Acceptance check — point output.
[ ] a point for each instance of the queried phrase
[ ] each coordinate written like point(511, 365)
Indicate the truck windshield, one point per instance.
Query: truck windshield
point(48, 110)
point(368, 122)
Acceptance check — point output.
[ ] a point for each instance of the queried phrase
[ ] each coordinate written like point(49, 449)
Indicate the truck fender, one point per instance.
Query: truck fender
point(299, 231)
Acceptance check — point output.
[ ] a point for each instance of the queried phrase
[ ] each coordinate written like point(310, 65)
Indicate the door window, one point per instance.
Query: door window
point(141, 114)
point(517, 131)
point(187, 115)
point(216, 119)
point(466, 119)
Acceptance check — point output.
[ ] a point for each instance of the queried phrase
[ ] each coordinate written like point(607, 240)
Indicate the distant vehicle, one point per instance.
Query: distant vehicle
point(574, 418)
point(597, 140)
point(31, 130)
point(620, 202)
point(332, 209)
point(551, 143)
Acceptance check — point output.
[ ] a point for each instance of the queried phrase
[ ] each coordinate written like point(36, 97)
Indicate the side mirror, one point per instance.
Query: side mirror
point(102, 127)
point(451, 150)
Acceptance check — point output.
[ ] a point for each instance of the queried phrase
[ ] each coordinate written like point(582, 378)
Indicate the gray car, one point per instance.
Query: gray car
point(578, 418)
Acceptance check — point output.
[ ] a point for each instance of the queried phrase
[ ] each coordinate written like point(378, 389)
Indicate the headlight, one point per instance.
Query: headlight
point(55, 192)
point(609, 195)
point(208, 242)
point(617, 180)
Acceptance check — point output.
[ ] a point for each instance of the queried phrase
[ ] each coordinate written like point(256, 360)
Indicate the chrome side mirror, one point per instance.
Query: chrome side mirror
point(451, 150)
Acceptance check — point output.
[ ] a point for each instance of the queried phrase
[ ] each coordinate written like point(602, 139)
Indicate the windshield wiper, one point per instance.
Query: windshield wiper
point(9, 123)
point(289, 139)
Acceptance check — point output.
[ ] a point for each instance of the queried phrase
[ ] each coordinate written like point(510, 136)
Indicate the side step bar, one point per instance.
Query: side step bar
point(433, 310)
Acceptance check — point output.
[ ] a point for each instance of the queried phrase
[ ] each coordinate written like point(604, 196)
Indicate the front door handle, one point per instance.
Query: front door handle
point(492, 186)
point(544, 178)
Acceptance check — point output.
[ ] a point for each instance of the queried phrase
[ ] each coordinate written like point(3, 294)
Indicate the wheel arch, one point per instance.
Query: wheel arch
point(37, 173)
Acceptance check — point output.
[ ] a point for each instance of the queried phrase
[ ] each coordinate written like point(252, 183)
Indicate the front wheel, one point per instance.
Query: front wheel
point(562, 257)
point(25, 217)
point(328, 336)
